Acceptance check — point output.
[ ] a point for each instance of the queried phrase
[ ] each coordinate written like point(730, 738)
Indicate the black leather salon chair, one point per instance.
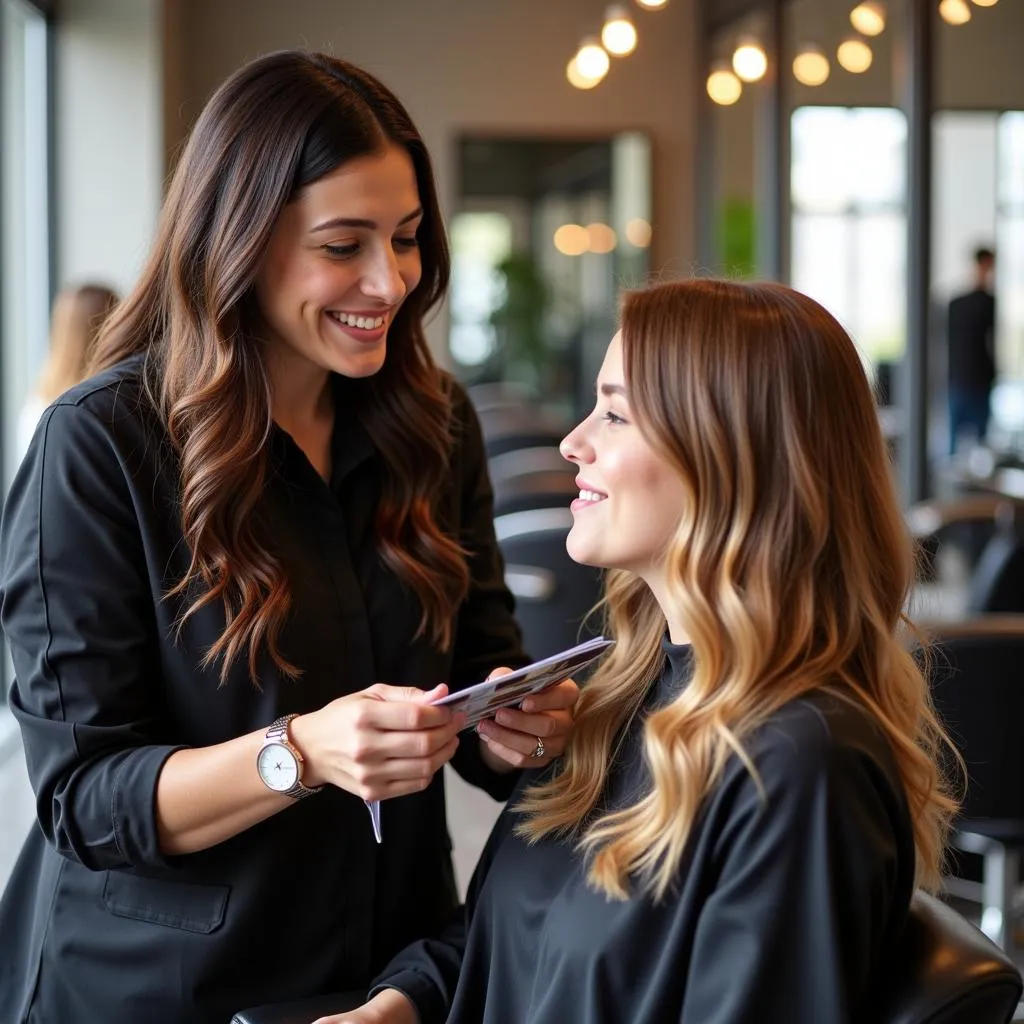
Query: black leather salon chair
point(979, 696)
point(554, 594)
point(947, 972)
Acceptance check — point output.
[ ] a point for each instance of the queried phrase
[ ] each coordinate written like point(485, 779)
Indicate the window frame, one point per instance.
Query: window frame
point(45, 9)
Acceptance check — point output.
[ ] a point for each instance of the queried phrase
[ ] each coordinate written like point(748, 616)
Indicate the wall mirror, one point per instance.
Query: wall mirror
point(545, 234)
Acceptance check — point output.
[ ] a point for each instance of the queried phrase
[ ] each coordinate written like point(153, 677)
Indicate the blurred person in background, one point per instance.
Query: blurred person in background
point(237, 565)
point(970, 330)
point(753, 789)
point(78, 314)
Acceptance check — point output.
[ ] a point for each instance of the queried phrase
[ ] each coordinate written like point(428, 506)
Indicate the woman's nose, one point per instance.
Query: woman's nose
point(573, 447)
point(382, 279)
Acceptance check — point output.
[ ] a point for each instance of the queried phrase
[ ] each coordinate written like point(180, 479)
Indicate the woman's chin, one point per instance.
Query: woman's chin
point(581, 552)
point(365, 365)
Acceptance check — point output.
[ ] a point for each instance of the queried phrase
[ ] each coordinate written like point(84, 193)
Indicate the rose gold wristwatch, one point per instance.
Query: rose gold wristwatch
point(280, 764)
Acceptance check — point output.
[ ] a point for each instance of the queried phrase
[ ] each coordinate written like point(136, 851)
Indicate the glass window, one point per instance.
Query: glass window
point(1010, 242)
point(479, 244)
point(849, 220)
point(1011, 157)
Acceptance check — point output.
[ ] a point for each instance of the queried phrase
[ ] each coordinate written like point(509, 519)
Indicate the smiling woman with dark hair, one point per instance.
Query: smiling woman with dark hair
point(238, 564)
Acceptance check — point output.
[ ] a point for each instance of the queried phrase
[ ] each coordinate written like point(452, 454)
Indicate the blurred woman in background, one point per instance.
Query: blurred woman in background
point(78, 314)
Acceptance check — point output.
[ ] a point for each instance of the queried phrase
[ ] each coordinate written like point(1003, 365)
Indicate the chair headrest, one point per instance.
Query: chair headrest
point(947, 970)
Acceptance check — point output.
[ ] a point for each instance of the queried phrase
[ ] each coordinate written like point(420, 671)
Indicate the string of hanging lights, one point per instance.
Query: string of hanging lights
point(811, 64)
point(618, 38)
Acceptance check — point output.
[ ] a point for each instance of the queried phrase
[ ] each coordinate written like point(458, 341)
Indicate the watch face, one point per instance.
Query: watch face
point(277, 767)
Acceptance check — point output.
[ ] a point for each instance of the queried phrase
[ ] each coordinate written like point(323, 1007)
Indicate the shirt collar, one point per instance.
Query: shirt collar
point(351, 444)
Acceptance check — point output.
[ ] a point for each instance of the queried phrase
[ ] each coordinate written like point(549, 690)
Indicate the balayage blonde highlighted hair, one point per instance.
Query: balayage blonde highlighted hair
point(789, 571)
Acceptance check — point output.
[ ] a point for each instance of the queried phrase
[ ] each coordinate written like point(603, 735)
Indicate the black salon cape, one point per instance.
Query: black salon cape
point(784, 912)
point(96, 925)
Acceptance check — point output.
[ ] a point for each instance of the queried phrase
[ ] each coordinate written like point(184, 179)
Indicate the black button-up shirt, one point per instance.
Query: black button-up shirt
point(96, 924)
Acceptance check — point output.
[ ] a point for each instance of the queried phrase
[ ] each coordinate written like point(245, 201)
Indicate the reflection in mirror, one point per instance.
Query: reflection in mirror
point(545, 234)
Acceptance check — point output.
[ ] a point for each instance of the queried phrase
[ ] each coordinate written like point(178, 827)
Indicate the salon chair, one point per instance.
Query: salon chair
point(554, 595)
point(979, 696)
point(946, 972)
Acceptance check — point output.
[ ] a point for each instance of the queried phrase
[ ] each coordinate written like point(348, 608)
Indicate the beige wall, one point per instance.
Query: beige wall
point(493, 65)
point(109, 138)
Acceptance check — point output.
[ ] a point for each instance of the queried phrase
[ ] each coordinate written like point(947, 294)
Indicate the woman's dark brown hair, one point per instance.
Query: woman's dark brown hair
point(276, 126)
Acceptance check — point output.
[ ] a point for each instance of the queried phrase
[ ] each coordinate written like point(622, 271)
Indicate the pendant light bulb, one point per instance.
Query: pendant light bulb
point(618, 36)
point(750, 62)
point(811, 66)
point(723, 86)
point(868, 18)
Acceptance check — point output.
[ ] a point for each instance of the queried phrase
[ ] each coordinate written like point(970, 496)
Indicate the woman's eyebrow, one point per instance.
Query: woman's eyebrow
point(361, 222)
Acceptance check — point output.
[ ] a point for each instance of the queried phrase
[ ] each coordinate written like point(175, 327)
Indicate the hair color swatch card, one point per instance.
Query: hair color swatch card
point(483, 699)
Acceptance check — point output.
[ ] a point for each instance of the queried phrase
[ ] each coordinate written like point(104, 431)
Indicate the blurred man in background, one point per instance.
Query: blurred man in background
point(972, 369)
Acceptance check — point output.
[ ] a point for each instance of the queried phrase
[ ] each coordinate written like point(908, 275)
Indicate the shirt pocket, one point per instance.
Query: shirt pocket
point(185, 905)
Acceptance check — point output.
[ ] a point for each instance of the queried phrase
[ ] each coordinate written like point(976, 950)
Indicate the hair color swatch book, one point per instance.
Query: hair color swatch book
point(482, 700)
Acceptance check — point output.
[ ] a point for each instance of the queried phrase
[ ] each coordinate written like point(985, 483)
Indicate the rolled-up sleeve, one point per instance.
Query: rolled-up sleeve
point(77, 609)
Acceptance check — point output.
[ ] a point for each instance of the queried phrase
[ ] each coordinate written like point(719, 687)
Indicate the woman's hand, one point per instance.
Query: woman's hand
point(544, 720)
point(387, 1007)
point(382, 742)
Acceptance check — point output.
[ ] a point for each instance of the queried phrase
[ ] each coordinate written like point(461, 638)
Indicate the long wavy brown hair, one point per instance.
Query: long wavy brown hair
point(276, 126)
point(789, 570)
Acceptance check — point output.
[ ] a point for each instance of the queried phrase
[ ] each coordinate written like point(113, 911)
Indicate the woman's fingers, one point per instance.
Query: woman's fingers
point(401, 708)
point(384, 741)
point(512, 747)
point(544, 723)
point(381, 780)
point(400, 769)
point(384, 691)
point(387, 1007)
point(560, 696)
point(546, 726)
point(526, 743)
point(377, 746)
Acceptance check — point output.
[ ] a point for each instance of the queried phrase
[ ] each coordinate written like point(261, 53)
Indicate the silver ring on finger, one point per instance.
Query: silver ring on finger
point(538, 751)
